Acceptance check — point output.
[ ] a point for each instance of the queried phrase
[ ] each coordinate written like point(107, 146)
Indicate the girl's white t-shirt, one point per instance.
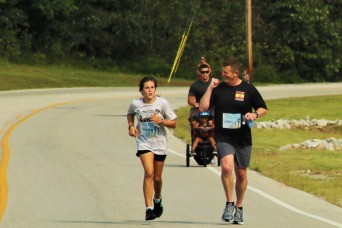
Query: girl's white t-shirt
point(152, 136)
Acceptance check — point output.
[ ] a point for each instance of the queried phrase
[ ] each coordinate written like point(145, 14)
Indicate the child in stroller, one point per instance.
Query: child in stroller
point(203, 128)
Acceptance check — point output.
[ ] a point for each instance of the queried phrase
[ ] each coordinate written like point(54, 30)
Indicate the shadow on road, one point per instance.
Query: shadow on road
point(139, 222)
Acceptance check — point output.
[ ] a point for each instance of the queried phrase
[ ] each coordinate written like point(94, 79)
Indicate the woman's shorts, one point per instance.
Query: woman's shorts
point(157, 157)
point(242, 154)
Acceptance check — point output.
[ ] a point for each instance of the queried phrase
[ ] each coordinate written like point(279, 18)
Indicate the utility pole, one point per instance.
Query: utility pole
point(249, 38)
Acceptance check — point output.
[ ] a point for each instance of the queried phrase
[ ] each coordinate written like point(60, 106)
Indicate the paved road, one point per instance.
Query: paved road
point(72, 164)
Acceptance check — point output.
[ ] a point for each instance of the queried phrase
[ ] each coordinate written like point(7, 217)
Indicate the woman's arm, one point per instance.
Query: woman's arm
point(170, 123)
point(132, 130)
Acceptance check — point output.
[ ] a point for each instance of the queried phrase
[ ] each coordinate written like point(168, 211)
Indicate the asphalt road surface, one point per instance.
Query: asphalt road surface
point(67, 161)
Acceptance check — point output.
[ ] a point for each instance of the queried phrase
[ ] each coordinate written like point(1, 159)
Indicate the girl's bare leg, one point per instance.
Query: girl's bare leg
point(147, 161)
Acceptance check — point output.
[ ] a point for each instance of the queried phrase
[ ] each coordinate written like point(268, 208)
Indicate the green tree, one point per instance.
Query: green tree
point(218, 32)
point(48, 25)
point(290, 37)
point(14, 27)
point(298, 35)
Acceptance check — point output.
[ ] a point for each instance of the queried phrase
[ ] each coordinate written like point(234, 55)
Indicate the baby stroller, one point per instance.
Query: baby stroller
point(204, 152)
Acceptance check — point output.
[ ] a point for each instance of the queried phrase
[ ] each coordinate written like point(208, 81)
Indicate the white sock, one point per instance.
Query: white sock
point(149, 208)
point(156, 200)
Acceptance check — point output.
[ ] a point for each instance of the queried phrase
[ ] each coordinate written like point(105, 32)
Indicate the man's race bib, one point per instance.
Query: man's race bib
point(231, 120)
point(149, 129)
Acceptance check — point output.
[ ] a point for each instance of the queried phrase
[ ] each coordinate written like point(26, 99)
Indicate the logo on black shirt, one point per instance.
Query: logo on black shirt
point(239, 96)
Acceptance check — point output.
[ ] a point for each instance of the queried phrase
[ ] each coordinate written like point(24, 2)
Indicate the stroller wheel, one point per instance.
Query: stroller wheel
point(187, 155)
point(204, 156)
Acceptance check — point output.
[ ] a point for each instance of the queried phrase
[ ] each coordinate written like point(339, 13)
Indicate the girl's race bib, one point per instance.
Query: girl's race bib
point(149, 129)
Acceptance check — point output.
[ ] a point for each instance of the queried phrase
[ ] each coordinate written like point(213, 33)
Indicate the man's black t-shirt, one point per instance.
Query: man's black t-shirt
point(198, 89)
point(229, 103)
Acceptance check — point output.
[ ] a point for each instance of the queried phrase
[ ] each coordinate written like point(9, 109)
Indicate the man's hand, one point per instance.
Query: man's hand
point(251, 116)
point(214, 83)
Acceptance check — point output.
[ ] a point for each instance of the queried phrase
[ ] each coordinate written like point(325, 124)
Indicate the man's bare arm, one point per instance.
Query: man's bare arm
point(192, 101)
point(205, 100)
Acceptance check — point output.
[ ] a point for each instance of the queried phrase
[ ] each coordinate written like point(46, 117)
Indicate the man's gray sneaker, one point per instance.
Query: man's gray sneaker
point(228, 213)
point(238, 216)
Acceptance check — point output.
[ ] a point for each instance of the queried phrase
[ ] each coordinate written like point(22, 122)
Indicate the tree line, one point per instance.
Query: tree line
point(293, 40)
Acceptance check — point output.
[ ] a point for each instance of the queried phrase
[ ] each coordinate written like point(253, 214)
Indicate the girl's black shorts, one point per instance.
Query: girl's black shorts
point(157, 157)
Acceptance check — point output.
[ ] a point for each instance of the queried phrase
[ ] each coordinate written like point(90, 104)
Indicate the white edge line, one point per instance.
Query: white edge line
point(271, 198)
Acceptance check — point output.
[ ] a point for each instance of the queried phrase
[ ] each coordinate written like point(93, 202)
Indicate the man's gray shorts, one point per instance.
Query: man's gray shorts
point(242, 155)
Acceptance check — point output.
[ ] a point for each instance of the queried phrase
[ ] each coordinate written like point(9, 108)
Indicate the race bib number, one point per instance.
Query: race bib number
point(149, 129)
point(231, 120)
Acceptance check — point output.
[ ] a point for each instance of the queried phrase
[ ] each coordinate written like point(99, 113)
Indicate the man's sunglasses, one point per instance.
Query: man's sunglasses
point(205, 72)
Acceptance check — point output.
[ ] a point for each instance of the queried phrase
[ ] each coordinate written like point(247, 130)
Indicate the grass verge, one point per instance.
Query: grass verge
point(318, 172)
point(15, 77)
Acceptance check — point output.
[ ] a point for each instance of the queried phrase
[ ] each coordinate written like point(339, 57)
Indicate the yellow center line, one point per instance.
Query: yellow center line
point(6, 152)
